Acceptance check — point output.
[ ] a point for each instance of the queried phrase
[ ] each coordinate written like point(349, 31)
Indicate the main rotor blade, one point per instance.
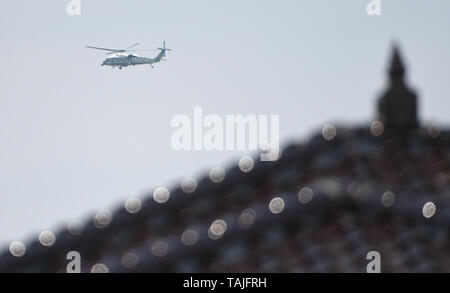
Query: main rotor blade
point(141, 50)
point(106, 49)
point(112, 53)
point(134, 45)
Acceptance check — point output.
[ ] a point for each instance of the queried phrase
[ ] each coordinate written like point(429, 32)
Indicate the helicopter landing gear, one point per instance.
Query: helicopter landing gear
point(151, 66)
point(120, 67)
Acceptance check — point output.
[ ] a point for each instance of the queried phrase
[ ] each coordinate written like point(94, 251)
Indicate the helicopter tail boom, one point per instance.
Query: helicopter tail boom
point(162, 52)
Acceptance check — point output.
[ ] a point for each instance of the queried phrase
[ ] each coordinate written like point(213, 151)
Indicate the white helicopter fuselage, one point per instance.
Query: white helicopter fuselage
point(123, 60)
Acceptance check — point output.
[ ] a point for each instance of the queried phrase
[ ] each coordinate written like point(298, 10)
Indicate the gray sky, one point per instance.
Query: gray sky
point(76, 137)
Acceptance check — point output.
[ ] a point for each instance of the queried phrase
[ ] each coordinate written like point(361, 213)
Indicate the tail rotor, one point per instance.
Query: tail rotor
point(164, 49)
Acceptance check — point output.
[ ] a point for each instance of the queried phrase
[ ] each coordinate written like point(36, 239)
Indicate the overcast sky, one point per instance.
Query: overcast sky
point(76, 137)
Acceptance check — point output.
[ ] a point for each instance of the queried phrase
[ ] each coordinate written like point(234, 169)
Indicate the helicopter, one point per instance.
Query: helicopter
point(123, 57)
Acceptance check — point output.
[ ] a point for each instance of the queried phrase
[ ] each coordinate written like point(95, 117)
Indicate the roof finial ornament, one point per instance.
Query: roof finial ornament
point(396, 69)
point(397, 108)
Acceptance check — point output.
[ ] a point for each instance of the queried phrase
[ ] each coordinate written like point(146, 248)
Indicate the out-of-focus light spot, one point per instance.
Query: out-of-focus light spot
point(429, 209)
point(129, 260)
point(189, 237)
point(270, 151)
point(276, 205)
point(47, 238)
point(217, 229)
point(189, 185)
point(133, 205)
point(247, 218)
point(160, 248)
point(99, 268)
point(75, 228)
point(434, 130)
point(246, 164)
point(305, 195)
point(388, 198)
point(376, 128)
point(102, 219)
point(161, 195)
point(360, 190)
point(217, 174)
point(328, 131)
point(17, 249)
